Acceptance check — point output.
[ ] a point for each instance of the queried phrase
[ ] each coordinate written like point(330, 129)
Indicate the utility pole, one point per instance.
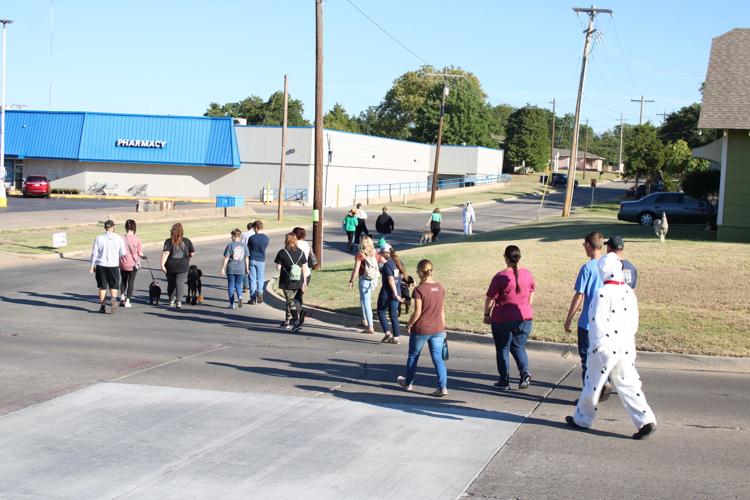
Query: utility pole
point(3, 198)
point(591, 12)
point(552, 142)
point(663, 117)
point(282, 164)
point(436, 169)
point(318, 182)
point(619, 156)
point(585, 147)
point(641, 100)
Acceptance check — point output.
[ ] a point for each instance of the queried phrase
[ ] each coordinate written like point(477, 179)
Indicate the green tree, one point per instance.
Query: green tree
point(259, 112)
point(645, 154)
point(338, 119)
point(499, 120)
point(683, 124)
point(527, 138)
point(679, 160)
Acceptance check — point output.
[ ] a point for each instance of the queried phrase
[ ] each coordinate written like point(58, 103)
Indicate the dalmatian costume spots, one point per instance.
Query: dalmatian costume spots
point(614, 323)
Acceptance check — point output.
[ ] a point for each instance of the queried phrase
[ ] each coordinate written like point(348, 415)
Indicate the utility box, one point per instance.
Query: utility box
point(230, 201)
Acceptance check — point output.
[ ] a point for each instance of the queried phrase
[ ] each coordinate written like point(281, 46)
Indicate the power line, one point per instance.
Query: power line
point(387, 33)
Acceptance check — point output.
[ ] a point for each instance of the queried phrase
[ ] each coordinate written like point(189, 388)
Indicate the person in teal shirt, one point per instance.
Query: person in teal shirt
point(350, 226)
point(435, 219)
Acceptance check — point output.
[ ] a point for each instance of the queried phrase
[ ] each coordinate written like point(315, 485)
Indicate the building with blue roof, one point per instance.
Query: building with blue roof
point(150, 155)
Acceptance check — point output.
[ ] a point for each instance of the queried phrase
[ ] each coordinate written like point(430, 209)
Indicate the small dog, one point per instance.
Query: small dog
point(426, 237)
point(406, 285)
point(661, 227)
point(154, 292)
point(195, 286)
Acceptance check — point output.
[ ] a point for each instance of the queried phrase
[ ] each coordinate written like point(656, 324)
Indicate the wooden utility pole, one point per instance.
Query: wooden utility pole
point(318, 182)
point(592, 12)
point(663, 117)
point(619, 156)
point(641, 100)
point(282, 164)
point(552, 142)
point(585, 148)
point(439, 141)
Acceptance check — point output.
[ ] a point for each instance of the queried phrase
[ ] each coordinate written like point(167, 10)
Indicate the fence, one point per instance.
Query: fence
point(290, 194)
point(367, 191)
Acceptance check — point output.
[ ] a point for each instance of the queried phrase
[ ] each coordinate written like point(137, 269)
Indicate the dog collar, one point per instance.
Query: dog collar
point(612, 282)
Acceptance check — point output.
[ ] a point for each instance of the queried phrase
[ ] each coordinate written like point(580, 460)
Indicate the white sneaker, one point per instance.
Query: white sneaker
point(402, 382)
point(171, 303)
point(127, 303)
point(232, 306)
point(179, 305)
point(387, 338)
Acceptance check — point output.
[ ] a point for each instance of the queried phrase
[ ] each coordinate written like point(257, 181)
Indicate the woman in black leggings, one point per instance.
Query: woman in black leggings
point(129, 263)
point(175, 262)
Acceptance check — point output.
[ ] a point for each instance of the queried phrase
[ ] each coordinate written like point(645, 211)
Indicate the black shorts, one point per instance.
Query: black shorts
point(108, 277)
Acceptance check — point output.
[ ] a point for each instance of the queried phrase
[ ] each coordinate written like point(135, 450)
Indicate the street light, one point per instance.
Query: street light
point(3, 198)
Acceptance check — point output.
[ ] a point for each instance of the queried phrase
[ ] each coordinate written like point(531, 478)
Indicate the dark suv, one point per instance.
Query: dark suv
point(679, 207)
point(558, 180)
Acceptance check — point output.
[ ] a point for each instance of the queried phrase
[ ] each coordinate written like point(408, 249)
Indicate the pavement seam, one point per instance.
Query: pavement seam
point(220, 347)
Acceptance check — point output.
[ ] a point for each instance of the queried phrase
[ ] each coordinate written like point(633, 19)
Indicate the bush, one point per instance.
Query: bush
point(701, 184)
point(65, 191)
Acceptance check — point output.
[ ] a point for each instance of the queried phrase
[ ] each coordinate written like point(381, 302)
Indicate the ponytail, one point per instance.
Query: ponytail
point(513, 254)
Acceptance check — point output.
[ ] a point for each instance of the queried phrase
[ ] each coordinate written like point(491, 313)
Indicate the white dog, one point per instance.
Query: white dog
point(661, 227)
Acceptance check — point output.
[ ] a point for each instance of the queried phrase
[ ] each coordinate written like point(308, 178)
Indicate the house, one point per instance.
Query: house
point(562, 160)
point(726, 107)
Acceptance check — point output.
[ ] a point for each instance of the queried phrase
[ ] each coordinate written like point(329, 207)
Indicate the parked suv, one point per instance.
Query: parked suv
point(679, 207)
point(558, 180)
point(36, 185)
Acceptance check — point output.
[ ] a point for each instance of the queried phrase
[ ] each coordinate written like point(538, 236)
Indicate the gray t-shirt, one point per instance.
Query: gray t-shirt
point(236, 253)
point(631, 275)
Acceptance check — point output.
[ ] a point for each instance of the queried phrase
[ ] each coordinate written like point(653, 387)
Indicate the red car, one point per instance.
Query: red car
point(36, 185)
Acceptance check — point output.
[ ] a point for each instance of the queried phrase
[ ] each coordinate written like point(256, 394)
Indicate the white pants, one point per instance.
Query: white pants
point(618, 365)
point(467, 227)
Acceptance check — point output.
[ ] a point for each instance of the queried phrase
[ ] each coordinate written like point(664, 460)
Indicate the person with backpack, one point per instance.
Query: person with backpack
point(235, 266)
point(389, 297)
point(384, 223)
point(350, 227)
point(434, 222)
point(130, 263)
point(366, 271)
point(175, 262)
point(290, 261)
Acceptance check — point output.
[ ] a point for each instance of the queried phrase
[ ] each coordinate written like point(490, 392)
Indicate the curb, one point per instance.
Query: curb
point(646, 359)
point(130, 198)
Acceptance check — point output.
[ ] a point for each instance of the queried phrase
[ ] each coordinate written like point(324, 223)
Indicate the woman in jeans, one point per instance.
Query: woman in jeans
point(366, 269)
point(427, 326)
point(390, 294)
point(435, 219)
point(175, 262)
point(508, 310)
point(130, 262)
point(350, 226)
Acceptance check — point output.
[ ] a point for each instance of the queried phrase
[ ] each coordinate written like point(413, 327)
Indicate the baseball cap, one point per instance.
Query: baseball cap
point(616, 242)
point(385, 248)
point(109, 223)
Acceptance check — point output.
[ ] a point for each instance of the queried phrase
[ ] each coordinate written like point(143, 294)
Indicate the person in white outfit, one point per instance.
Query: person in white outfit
point(469, 218)
point(614, 323)
point(105, 263)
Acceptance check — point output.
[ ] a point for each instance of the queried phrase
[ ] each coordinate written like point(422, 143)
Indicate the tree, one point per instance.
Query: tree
point(683, 124)
point(527, 138)
point(645, 154)
point(338, 119)
point(259, 112)
point(499, 119)
point(679, 160)
point(702, 184)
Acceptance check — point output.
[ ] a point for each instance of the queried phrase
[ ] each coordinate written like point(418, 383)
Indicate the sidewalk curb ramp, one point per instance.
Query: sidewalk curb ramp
point(646, 359)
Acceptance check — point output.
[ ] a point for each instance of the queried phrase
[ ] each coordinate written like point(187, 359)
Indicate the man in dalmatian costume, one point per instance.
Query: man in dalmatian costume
point(614, 323)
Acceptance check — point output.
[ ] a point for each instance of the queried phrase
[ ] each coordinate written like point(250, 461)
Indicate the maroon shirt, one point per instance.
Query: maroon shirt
point(430, 321)
point(509, 304)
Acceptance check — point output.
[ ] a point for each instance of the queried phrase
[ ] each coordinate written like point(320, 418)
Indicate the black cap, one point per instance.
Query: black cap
point(109, 223)
point(615, 242)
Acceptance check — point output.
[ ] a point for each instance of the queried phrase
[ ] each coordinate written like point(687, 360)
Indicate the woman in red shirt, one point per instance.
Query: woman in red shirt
point(508, 310)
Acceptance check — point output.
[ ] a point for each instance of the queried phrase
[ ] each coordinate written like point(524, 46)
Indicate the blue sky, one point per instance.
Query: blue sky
point(176, 56)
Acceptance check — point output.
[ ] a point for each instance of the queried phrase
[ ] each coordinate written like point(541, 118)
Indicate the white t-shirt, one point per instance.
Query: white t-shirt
point(305, 247)
point(361, 214)
point(246, 236)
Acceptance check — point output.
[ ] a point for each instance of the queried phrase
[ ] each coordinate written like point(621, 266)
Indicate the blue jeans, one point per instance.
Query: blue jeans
point(583, 350)
point(365, 300)
point(390, 305)
point(234, 284)
point(435, 341)
point(257, 278)
point(510, 337)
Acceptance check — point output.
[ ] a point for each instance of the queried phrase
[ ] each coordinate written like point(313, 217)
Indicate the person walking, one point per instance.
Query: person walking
point(234, 267)
point(106, 252)
point(434, 222)
point(130, 263)
point(246, 235)
point(616, 245)
point(175, 262)
point(612, 354)
point(304, 245)
point(384, 223)
point(350, 226)
point(469, 218)
point(586, 285)
point(390, 295)
point(257, 245)
point(361, 223)
point(508, 310)
point(290, 261)
point(366, 272)
point(427, 326)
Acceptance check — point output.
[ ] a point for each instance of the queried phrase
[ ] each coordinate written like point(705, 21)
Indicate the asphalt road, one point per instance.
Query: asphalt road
point(154, 403)
point(19, 204)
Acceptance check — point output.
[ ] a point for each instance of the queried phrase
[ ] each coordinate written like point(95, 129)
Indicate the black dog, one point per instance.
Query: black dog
point(154, 292)
point(406, 284)
point(195, 285)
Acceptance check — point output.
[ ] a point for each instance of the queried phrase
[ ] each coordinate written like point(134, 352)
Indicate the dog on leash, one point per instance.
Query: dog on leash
point(154, 292)
point(425, 238)
point(406, 284)
point(195, 285)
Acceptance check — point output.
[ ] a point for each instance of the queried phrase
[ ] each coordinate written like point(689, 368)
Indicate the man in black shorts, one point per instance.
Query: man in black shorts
point(105, 263)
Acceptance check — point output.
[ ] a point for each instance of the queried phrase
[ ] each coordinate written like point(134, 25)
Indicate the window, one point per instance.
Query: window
point(669, 198)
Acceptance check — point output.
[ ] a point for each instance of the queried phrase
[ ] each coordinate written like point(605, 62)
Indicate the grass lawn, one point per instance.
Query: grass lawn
point(693, 291)
point(521, 185)
point(81, 237)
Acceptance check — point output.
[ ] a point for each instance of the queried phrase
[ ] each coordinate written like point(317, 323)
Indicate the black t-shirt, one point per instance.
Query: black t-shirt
point(287, 258)
point(390, 270)
point(179, 255)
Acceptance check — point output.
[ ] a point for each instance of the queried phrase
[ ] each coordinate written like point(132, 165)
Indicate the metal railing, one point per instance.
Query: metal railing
point(367, 191)
point(290, 194)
